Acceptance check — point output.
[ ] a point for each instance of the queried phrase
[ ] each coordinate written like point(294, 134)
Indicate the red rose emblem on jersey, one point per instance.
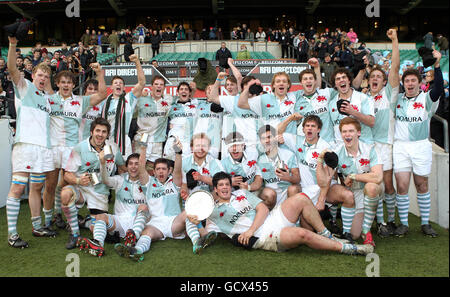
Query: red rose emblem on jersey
point(37, 93)
point(73, 103)
point(344, 166)
point(221, 214)
point(417, 105)
point(110, 161)
point(146, 105)
point(398, 106)
point(164, 103)
point(268, 106)
point(175, 109)
point(264, 170)
point(301, 107)
point(355, 107)
point(240, 198)
point(191, 106)
point(321, 98)
point(88, 164)
point(300, 150)
point(315, 155)
point(126, 189)
point(251, 163)
point(52, 102)
point(378, 97)
point(232, 173)
point(333, 110)
point(205, 171)
point(154, 185)
point(28, 167)
point(364, 162)
point(95, 108)
point(140, 190)
point(201, 108)
point(288, 102)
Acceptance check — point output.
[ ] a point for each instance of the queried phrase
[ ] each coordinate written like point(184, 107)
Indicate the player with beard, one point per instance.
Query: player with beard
point(152, 115)
point(31, 154)
point(383, 91)
point(240, 163)
point(279, 169)
point(243, 215)
point(119, 107)
point(130, 208)
point(182, 117)
point(65, 118)
point(362, 170)
point(412, 151)
point(80, 172)
point(197, 172)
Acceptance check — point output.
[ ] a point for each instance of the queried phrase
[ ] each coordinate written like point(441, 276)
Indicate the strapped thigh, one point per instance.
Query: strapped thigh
point(19, 180)
point(37, 178)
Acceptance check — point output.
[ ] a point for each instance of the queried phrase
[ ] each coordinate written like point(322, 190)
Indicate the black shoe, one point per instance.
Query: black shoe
point(73, 241)
point(334, 228)
point(16, 242)
point(112, 238)
point(383, 230)
point(391, 226)
point(428, 230)
point(348, 237)
point(401, 230)
point(44, 232)
point(251, 241)
point(58, 221)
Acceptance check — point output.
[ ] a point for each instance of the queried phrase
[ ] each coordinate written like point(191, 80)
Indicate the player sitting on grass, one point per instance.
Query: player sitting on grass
point(130, 209)
point(242, 214)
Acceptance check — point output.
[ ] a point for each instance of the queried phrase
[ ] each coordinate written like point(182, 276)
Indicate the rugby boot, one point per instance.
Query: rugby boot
point(128, 252)
point(428, 230)
point(15, 241)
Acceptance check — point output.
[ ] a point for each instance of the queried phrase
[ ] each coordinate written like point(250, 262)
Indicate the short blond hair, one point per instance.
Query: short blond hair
point(201, 135)
point(43, 67)
point(280, 74)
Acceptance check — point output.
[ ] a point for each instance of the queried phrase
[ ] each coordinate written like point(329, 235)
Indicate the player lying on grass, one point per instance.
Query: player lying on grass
point(242, 214)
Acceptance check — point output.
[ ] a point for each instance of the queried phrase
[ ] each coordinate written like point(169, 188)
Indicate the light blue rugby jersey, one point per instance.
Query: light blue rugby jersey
point(163, 199)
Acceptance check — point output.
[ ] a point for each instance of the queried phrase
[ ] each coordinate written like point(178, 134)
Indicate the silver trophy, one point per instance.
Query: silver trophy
point(279, 164)
point(143, 139)
point(94, 178)
point(108, 152)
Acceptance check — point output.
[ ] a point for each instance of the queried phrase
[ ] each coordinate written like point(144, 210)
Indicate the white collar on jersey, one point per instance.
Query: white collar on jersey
point(359, 150)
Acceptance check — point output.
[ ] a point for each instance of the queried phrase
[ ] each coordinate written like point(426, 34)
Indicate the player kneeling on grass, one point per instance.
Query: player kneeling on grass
point(243, 215)
point(362, 170)
point(130, 208)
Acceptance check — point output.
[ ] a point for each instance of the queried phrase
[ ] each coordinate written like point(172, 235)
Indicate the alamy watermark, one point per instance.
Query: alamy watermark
point(73, 8)
point(373, 9)
point(373, 268)
point(73, 268)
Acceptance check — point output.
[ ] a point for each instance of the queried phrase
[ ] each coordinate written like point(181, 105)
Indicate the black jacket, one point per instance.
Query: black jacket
point(222, 56)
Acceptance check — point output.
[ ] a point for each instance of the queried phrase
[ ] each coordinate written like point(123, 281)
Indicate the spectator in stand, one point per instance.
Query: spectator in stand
point(327, 67)
point(141, 30)
point(86, 38)
point(243, 54)
point(219, 34)
point(234, 34)
point(155, 40)
point(57, 63)
point(284, 42)
point(19, 63)
point(443, 45)
point(181, 33)
point(212, 33)
point(45, 53)
point(114, 41)
point(172, 35)
point(269, 35)
point(249, 35)
point(260, 35)
point(128, 50)
point(148, 36)
point(291, 35)
point(321, 48)
point(310, 33)
point(352, 36)
point(64, 50)
point(166, 34)
point(222, 55)
point(36, 57)
point(93, 40)
point(104, 41)
point(276, 35)
point(428, 40)
point(330, 45)
point(302, 55)
point(204, 35)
